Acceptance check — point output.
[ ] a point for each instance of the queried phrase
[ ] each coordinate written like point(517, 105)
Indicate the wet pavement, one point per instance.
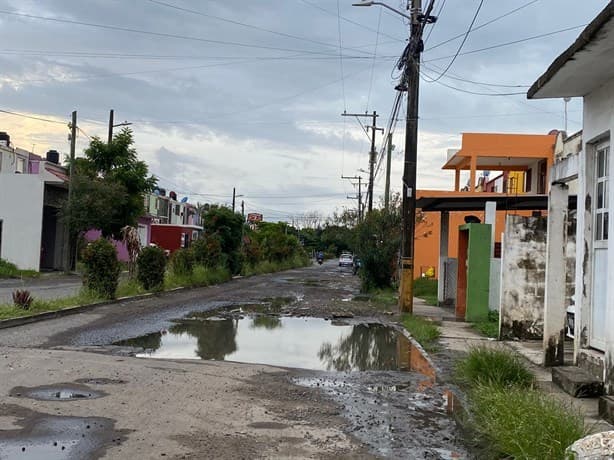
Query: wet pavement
point(350, 384)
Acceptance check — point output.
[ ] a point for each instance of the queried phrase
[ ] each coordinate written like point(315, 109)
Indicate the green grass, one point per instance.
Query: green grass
point(85, 297)
point(200, 277)
point(9, 270)
point(426, 289)
point(494, 366)
point(521, 423)
point(489, 328)
point(423, 330)
point(267, 266)
point(129, 288)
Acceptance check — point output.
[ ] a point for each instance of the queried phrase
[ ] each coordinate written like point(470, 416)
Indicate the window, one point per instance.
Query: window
point(21, 165)
point(602, 160)
point(542, 174)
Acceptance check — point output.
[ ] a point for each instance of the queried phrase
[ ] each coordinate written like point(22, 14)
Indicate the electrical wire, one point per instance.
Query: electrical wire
point(480, 26)
point(438, 15)
point(23, 115)
point(341, 56)
point(475, 16)
point(155, 34)
point(434, 68)
point(430, 79)
point(379, 22)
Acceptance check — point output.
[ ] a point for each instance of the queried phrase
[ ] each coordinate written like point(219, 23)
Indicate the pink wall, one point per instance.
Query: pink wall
point(122, 252)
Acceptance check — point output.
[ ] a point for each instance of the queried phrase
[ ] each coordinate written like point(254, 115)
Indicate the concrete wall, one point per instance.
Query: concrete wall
point(523, 277)
point(598, 126)
point(21, 212)
point(494, 297)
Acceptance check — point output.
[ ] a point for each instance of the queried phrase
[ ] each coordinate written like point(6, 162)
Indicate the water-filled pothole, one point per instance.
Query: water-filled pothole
point(308, 343)
point(57, 392)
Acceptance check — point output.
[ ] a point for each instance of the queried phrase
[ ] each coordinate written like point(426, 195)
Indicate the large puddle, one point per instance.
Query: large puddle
point(307, 343)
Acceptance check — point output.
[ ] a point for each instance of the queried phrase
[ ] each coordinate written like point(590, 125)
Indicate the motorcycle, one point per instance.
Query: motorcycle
point(320, 259)
point(356, 265)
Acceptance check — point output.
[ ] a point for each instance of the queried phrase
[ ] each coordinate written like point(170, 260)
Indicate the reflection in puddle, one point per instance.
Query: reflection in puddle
point(308, 343)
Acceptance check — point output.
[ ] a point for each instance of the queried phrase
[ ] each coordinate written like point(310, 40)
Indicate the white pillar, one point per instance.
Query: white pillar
point(444, 230)
point(555, 308)
point(490, 217)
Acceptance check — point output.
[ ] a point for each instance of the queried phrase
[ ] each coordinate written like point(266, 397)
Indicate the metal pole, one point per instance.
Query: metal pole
point(233, 199)
point(412, 79)
point(71, 175)
point(372, 155)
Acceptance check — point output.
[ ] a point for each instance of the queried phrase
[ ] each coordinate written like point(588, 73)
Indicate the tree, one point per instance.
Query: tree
point(223, 223)
point(109, 187)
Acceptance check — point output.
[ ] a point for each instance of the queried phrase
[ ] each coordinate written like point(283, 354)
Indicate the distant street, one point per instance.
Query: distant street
point(46, 287)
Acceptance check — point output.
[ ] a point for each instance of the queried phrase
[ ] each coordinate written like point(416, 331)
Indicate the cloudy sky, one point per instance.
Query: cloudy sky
point(231, 93)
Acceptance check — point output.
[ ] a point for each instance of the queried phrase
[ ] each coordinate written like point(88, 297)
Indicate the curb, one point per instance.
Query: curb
point(15, 322)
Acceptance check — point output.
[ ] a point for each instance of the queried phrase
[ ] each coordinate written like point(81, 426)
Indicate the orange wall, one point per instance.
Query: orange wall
point(426, 246)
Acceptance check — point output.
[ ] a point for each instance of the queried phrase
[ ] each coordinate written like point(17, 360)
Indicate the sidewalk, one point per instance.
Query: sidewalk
point(48, 286)
point(460, 336)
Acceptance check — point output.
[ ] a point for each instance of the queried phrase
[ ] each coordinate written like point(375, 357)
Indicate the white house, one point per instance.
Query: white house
point(586, 69)
point(32, 190)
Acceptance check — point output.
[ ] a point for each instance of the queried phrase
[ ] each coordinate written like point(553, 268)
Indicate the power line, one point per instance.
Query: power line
point(379, 21)
point(431, 80)
point(514, 42)
point(8, 112)
point(351, 21)
point(475, 16)
point(341, 55)
point(438, 16)
point(483, 25)
point(452, 76)
point(156, 34)
point(242, 24)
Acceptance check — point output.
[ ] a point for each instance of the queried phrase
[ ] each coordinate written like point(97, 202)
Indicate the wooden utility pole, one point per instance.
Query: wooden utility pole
point(110, 138)
point(388, 163)
point(372, 153)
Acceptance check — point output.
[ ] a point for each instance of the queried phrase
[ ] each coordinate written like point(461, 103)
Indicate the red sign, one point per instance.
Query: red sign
point(254, 217)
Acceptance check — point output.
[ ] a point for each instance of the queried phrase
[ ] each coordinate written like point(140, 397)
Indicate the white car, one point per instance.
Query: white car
point(346, 260)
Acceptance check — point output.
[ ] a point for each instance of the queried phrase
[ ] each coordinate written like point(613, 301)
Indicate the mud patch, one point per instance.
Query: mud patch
point(57, 392)
point(101, 381)
point(268, 426)
point(51, 437)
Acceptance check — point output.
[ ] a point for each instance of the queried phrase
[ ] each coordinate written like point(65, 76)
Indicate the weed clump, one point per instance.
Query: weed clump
point(22, 299)
point(423, 330)
point(496, 366)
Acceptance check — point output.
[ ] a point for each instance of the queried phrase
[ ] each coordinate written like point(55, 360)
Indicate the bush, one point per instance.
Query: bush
point(525, 424)
point(151, 266)
point(497, 367)
point(101, 268)
point(7, 269)
point(207, 251)
point(22, 299)
point(182, 262)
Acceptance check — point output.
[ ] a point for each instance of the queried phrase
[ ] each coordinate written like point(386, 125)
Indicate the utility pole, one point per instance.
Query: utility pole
point(411, 80)
point(359, 196)
point(71, 176)
point(233, 199)
point(243, 209)
point(111, 125)
point(372, 153)
point(388, 162)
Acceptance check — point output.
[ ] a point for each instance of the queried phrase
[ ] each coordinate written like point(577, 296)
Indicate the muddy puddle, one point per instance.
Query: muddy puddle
point(295, 342)
point(58, 392)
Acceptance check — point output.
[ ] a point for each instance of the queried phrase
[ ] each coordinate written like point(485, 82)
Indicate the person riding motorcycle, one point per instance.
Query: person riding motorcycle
point(356, 264)
point(320, 257)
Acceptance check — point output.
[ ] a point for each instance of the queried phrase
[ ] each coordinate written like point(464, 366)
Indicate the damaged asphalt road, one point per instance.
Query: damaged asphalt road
point(61, 375)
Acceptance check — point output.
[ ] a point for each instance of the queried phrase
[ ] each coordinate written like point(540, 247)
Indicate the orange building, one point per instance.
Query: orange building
point(522, 163)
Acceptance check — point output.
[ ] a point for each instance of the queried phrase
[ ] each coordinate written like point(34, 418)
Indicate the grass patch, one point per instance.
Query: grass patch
point(201, 276)
point(130, 288)
point(9, 270)
point(426, 289)
point(423, 330)
point(85, 297)
point(489, 328)
point(268, 266)
point(494, 366)
point(522, 423)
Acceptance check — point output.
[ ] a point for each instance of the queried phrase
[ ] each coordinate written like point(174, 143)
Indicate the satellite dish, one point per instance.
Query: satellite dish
point(184, 199)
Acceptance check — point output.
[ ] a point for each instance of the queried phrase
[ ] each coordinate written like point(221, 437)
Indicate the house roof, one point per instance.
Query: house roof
point(587, 64)
point(496, 151)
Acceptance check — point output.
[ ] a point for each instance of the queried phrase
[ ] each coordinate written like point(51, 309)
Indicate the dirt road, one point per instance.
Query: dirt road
point(64, 382)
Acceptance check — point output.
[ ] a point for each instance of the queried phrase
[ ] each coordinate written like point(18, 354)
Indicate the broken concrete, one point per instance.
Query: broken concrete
point(577, 382)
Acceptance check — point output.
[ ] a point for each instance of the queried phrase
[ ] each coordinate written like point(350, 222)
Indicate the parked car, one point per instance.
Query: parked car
point(346, 260)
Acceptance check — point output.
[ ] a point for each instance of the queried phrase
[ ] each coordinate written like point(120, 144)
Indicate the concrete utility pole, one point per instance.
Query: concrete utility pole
point(234, 195)
point(359, 196)
point(388, 163)
point(372, 153)
point(71, 175)
point(111, 125)
point(243, 209)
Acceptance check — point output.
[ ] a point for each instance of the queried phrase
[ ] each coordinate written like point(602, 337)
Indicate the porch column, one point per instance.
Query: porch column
point(490, 217)
point(474, 166)
point(444, 234)
point(457, 180)
point(554, 301)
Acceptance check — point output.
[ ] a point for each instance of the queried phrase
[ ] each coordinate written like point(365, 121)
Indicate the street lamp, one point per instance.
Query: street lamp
point(410, 83)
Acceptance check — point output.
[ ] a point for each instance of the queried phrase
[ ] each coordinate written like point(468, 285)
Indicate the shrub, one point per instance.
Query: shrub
point(182, 262)
point(519, 423)
point(208, 251)
point(22, 299)
point(151, 266)
point(7, 269)
point(101, 268)
point(496, 366)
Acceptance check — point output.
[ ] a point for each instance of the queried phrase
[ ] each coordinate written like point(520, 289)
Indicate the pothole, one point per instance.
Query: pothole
point(57, 392)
